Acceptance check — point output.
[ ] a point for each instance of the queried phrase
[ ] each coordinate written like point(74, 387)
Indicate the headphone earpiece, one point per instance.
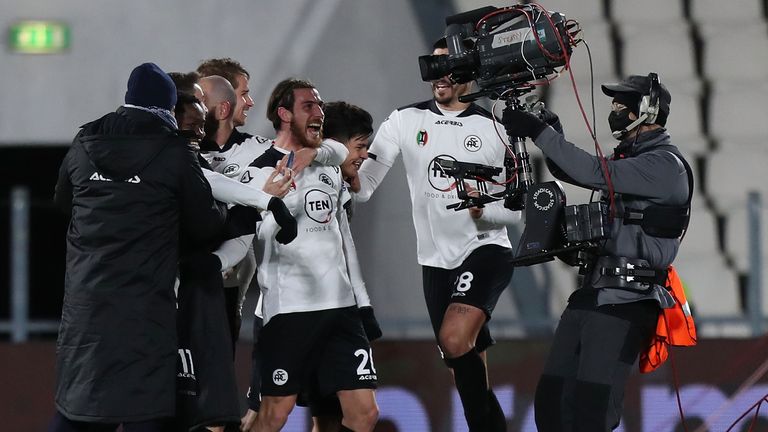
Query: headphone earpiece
point(649, 104)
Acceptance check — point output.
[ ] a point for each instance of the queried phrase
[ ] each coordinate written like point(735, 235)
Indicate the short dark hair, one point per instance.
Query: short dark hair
point(224, 67)
point(185, 82)
point(344, 121)
point(183, 99)
point(282, 96)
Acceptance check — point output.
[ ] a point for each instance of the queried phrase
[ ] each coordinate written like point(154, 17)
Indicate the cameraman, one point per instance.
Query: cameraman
point(464, 255)
point(611, 318)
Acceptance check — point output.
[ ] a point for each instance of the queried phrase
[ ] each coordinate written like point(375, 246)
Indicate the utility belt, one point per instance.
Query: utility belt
point(632, 274)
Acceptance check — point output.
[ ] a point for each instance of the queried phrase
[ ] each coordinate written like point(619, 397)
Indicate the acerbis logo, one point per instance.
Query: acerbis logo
point(98, 177)
point(246, 178)
point(542, 202)
point(279, 377)
point(449, 123)
point(473, 143)
point(422, 137)
point(318, 205)
point(436, 175)
point(325, 178)
point(230, 170)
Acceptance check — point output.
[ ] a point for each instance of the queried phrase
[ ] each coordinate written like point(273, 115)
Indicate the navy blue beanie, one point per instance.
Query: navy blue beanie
point(149, 86)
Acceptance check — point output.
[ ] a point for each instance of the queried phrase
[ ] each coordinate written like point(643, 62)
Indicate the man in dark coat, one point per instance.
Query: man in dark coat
point(133, 186)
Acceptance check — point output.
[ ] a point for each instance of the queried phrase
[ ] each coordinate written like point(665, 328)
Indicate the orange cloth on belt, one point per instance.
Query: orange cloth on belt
point(675, 327)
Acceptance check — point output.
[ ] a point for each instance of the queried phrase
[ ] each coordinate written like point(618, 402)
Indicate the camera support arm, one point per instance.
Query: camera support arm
point(517, 163)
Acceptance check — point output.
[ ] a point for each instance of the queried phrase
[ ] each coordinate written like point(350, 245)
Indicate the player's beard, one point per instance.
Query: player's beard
point(211, 125)
point(301, 134)
point(443, 96)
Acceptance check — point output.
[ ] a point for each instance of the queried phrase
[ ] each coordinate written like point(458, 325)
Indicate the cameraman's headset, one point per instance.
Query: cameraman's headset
point(649, 106)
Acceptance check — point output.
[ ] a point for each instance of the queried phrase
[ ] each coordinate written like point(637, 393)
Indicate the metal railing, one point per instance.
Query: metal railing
point(20, 326)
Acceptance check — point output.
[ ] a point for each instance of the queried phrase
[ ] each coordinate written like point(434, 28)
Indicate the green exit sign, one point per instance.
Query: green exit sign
point(38, 37)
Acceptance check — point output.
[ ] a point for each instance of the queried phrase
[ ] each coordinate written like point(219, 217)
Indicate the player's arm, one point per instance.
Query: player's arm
point(275, 180)
point(381, 157)
point(330, 153)
point(233, 251)
point(232, 191)
point(370, 324)
point(492, 214)
point(495, 213)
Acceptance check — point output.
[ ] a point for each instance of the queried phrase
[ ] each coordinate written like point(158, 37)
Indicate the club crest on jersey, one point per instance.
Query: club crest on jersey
point(473, 143)
point(422, 137)
point(318, 206)
point(325, 178)
point(279, 377)
point(436, 174)
point(230, 169)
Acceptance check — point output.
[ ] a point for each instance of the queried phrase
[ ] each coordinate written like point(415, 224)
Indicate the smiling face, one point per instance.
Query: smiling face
point(358, 152)
point(444, 91)
point(194, 120)
point(307, 117)
point(244, 100)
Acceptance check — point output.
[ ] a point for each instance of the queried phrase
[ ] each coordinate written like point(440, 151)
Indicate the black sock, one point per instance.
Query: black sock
point(496, 419)
point(469, 374)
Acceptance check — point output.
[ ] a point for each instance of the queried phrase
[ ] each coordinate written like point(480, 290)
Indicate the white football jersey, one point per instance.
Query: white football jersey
point(310, 273)
point(232, 160)
point(422, 133)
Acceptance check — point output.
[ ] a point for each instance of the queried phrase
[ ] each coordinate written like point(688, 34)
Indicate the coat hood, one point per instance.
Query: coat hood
point(122, 143)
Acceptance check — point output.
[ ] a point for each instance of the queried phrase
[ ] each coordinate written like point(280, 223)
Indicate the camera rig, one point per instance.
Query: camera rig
point(511, 49)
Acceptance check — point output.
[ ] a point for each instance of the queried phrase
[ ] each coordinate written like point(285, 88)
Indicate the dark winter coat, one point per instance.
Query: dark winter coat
point(132, 186)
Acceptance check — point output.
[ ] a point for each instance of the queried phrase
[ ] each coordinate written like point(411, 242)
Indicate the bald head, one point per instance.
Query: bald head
point(217, 90)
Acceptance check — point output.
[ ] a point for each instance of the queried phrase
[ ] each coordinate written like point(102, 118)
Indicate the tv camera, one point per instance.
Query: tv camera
point(506, 51)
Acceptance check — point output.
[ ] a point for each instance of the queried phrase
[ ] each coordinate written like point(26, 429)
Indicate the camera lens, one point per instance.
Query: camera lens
point(433, 67)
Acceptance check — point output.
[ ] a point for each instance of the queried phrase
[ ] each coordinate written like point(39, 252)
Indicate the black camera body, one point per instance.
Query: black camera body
point(511, 46)
point(554, 229)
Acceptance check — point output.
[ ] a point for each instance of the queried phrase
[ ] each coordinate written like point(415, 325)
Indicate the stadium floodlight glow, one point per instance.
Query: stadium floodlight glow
point(38, 37)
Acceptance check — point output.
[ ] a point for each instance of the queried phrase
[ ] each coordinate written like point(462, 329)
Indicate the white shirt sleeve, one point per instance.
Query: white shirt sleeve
point(384, 151)
point(231, 191)
point(233, 251)
point(256, 178)
point(353, 265)
point(495, 213)
point(331, 153)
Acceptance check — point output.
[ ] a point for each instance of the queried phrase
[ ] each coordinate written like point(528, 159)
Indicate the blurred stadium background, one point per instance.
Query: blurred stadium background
point(712, 55)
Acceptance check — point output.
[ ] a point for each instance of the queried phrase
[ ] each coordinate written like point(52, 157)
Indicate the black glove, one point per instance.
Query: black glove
point(370, 324)
point(522, 124)
point(241, 220)
point(551, 119)
point(200, 262)
point(284, 218)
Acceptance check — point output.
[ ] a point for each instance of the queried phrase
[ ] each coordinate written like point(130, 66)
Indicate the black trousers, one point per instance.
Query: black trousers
point(592, 354)
point(63, 424)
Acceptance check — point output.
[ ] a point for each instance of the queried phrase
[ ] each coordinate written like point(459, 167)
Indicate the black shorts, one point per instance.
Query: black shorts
point(320, 406)
point(254, 390)
point(478, 281)
point(327, 349)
